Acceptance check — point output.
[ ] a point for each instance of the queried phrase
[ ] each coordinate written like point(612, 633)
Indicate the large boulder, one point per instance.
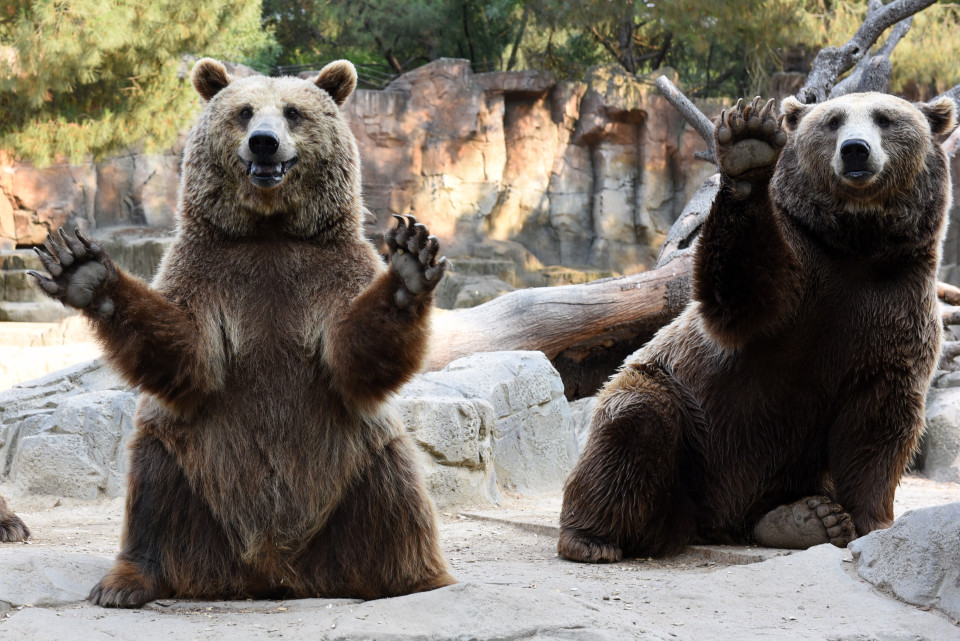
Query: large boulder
point(917, 558)
point(940, 453)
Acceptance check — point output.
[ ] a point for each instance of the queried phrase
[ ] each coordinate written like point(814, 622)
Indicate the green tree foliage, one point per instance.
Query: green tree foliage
point(91, 77)
point(402, 35)
point(925, 61)
point(717, 47)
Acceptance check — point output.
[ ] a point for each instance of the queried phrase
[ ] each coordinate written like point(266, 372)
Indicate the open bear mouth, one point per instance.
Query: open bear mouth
point(859, 177)
point(268, 174)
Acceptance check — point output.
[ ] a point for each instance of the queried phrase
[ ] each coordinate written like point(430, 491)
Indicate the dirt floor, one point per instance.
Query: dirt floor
point(514, 586)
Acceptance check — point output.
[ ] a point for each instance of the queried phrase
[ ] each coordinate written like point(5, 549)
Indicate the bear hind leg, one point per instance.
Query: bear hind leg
point(382, 540)
point(625, 496)
point(172, 545)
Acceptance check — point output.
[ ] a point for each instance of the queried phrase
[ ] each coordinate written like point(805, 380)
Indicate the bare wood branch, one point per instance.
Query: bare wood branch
point(831, 62)
point(872, 73)
point(700, 123)
point(948, 293)
point(950, 315)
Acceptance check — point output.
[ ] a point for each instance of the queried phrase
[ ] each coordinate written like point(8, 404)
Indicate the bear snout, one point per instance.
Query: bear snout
point(854, 154)
point(263, 143)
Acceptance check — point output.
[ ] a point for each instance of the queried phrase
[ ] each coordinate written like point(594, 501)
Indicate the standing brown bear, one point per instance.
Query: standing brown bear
point(783, 405)
point(267, 462)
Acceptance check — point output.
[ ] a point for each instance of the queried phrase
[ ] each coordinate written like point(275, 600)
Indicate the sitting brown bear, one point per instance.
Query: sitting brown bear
point(794, 382)
point(12, 529)
point(267, 461)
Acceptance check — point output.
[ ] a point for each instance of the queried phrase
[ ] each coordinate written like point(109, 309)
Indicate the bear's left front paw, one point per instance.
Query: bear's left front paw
point(413, 257)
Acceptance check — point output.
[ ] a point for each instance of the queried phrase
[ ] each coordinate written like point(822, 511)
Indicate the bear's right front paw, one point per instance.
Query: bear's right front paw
point(749, 141)
point(78, 267)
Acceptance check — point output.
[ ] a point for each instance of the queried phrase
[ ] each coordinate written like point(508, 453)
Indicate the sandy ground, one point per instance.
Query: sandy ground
point(506, 561)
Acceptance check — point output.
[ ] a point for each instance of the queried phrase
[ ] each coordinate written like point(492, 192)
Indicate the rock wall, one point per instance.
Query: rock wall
point(581, 173)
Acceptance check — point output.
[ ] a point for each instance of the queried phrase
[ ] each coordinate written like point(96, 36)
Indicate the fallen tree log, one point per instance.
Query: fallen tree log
point(585, 329)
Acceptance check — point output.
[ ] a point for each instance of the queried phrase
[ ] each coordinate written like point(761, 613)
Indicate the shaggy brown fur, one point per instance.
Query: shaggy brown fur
point(12, 529)
point(794, 382)
point(267, 460)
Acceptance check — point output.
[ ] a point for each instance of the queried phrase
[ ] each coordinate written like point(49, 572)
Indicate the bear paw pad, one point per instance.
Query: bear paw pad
point(749, 140)
point(577, 546)
point(805, 523)
point(413, 257)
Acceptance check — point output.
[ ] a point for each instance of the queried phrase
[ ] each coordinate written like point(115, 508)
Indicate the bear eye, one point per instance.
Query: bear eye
point(883, 121)
point(834, 123)
point(246, 113)
point(291, 114)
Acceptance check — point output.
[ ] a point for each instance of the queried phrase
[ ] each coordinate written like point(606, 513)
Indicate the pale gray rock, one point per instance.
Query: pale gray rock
point(44, 578)
point(486, 423)
point(941, 443)
point(533, 445)
point(917, 558)
point(581, 412)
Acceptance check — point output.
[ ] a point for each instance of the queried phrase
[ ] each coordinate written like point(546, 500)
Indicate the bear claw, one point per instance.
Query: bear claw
point(749, 139)
point(77, 268)
point(576, 546)
point(413, 257)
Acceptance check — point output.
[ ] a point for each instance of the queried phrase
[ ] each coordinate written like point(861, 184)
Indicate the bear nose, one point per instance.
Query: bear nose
point(854, 154)
point(263, 143)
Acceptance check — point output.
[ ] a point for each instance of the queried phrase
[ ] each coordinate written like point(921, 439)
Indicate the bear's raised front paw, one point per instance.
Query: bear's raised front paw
point(78, 267)
point(413, 257)
point(805, 523)
point(576, 546)
point(12, 529)
point(749, 141)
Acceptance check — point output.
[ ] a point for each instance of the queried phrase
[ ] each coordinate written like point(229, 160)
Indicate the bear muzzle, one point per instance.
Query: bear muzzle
point(855, 157)
point(265, 170)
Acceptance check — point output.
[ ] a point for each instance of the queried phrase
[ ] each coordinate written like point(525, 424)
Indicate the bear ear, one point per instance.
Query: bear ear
point(794, 110)
point(209, 77)
point(339, 79)
point(941, 114)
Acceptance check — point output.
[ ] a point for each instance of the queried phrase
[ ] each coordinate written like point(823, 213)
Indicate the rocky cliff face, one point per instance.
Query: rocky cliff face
point(581, 173)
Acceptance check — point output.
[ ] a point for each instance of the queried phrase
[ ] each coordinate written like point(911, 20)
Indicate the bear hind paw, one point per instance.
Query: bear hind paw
point(124, 586)
point(577, 546)
point(810, 521)
point(13, 530)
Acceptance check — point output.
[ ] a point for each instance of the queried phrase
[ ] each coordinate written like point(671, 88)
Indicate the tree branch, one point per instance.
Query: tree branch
point(831, 62)
point(700, 123)
point(872, 73)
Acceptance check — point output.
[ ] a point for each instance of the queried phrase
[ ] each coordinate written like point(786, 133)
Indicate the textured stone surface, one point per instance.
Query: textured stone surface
point(512, 587)
point(941, 442)
point(530, 430)
point(917, 558)
point(486, 423)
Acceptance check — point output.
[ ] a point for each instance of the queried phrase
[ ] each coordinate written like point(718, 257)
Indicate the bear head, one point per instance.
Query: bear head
point(863, 145)
point(272, 153)
point(863, 171)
